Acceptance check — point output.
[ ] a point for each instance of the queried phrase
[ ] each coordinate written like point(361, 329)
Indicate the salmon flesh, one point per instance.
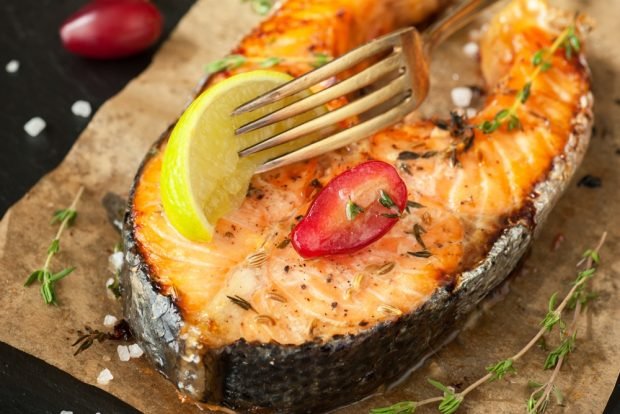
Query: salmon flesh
point(311, 335)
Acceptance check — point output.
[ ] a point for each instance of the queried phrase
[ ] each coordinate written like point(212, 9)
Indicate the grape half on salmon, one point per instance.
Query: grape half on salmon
point(245, 322)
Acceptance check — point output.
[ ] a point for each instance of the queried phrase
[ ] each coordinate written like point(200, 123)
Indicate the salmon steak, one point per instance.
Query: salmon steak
point(246, 322)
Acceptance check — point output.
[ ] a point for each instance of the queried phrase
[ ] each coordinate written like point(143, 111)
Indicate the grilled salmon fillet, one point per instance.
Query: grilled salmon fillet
point(314, 334)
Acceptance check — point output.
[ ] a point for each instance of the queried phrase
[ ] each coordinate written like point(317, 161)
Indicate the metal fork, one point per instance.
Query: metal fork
point(408, 54)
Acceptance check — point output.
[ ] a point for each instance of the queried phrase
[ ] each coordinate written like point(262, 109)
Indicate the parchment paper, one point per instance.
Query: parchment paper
point(107, 154)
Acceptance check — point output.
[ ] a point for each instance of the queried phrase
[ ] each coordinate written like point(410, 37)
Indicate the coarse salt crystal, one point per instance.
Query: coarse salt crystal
point(471, 49)
point(471, 112)
point(123, 353)
point(105, 376)
point(461, 96)
point(12, 66)
point(116, 261)
point(66, 412)
point(34, 126)
point(135, 351)
point(81, 108)
point(109, 282)
point(109, 320)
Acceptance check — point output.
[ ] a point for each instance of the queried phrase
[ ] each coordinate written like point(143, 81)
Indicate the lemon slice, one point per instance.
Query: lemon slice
point(202, 176)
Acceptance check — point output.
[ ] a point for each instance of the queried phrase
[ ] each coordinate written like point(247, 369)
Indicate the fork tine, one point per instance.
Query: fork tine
point(324, 72)
point(358, 81)
point(398, 85)
point(345, 137)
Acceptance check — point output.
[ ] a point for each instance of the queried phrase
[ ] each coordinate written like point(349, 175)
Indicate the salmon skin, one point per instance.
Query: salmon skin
point(312, 335)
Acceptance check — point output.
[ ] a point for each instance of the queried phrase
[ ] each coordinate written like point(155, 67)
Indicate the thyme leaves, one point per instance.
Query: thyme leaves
point(501, 369)
point(418, 231)
point(262, 7)
point(403, 407)
point(385, 199)
point(242, 303)
point(352, 210)
point(390, 215)
point(450, 401)
point(425, 254)
point(412, 204)
point(235, 61)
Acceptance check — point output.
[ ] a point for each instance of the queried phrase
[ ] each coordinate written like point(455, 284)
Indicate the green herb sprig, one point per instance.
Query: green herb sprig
point(232, 62)
point(261, 7)
point(576, 300)
point(45, 276)
point(539, 399)
point(541, 60)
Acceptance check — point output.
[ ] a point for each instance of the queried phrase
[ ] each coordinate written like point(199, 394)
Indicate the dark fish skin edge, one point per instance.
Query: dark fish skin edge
point(315, 377)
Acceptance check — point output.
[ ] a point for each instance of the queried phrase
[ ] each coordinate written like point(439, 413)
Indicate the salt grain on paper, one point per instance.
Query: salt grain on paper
point(105, 376)
point(471, 49)
point(115, 260)
point(12, 66)
point(135, 351)
point(109, 320)
point(123, 353)
point(34, 126)
point(461, 96)
point(81, 108)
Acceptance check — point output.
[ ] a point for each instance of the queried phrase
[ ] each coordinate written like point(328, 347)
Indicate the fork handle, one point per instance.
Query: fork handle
point(452, 21)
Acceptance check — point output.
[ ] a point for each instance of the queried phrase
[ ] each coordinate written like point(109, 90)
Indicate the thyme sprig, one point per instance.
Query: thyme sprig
point(539, 399)
point(45, 276)
point(541, 60)
point(88, 336)
point(235, 61)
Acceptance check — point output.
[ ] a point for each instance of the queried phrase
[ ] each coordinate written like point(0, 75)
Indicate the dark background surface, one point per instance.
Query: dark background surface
point(48, 82)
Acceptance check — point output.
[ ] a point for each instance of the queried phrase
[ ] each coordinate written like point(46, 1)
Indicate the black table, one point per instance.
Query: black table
point(48, 82)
